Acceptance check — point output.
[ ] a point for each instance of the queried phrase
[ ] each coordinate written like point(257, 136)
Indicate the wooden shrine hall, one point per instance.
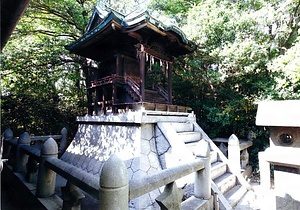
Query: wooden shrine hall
point(134, 55)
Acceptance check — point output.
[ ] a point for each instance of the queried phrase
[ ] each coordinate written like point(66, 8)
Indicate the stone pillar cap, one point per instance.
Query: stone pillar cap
point(49, 147)
point(114, 173)
point(24, 138)
point(233, 140)
point(8, 134)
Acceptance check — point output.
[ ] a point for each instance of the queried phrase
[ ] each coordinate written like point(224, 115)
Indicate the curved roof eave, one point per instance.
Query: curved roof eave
point(129, 21)
point(112, 16)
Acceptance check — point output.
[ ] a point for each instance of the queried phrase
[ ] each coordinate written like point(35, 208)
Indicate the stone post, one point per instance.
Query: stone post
point(264, 170)
point(234, 153)
point(72, 197)
point(32, 168)
point(63, 142)
point(8, 135)
point(114, 186)
point(21, 158)
point(46, 177)
point(202, 186)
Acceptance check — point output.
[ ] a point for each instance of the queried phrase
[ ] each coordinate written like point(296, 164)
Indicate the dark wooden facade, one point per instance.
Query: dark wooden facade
point(134, 55)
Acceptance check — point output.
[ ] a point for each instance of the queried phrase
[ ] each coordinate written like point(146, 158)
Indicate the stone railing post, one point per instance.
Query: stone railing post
point(72, 197)
point(8, 135)
point(32, 168)
point(21, 158)
point(244, 159)
point(63, 142)
point(202, 186)
point(264, 170)
point(46, 177)
point(114, 185)
point(234, 153)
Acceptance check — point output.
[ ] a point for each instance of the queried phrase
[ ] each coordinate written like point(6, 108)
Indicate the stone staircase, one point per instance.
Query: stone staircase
point(230, 187)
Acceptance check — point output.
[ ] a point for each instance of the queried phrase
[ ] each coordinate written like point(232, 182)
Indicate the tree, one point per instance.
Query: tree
point(246, 52)
point(42, 84)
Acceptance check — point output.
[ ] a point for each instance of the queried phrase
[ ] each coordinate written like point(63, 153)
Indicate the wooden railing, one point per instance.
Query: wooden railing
point(116, 79)
point(163, 92)
point(134, 86)
point(101, 82)
point(114, 189)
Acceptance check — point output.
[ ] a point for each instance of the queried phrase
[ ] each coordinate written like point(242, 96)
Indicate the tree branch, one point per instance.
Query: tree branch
point(294, 25)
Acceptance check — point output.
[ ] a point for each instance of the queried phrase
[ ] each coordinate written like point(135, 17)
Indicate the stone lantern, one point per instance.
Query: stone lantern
point(283, 120)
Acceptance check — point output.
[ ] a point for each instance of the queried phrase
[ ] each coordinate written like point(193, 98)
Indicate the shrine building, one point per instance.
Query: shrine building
point(134, 54)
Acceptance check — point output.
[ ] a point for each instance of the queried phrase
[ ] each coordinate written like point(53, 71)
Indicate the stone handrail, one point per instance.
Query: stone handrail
point(151, 182)
point(76, 176)
point(237, 152)
point(107, 189)
point(223, 157)
point(113, 190)
point(238, 155)
point(62, 138)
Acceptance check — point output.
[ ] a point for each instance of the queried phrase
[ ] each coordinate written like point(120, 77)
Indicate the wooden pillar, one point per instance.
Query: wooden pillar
point(114, 97)
point(142, 71)
point(90, 101)
point(170, 82)
point(119, 65)
point(103, 100)
point(96, 102)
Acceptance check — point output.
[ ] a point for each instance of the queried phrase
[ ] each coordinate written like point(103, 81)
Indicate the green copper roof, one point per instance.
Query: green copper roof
point(101, 26)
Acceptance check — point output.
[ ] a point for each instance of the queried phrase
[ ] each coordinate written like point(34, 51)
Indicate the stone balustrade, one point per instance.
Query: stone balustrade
point(237, 153)
point(112, 188)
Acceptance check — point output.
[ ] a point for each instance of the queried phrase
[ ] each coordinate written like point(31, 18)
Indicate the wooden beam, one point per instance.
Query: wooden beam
point(11, 12)
point(170, 81)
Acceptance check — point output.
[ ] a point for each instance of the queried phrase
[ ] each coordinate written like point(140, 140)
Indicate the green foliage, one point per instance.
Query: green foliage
point(41, 82)
point(125, 7)
point(247, 52)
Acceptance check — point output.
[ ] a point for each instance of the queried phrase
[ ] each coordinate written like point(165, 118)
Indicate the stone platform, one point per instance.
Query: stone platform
point(135, 138)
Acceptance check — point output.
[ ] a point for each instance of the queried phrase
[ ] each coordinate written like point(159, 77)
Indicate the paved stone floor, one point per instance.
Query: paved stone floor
point(260, 199)
point(255, 199)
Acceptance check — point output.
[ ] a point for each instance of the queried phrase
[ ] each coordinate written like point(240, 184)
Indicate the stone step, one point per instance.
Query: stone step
point(218, 169)
point(192, 146)
point(235, 194)
point(183, 127)
point(225, 182)
point(189, 137)
point(213, 156)
point(194, 203)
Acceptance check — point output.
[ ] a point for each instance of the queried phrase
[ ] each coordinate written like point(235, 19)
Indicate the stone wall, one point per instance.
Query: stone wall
point(135, 143)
